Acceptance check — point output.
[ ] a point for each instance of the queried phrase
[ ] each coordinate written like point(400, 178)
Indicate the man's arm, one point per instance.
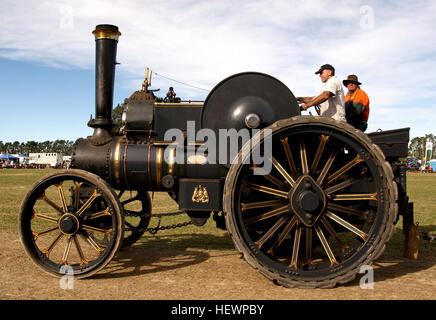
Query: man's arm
point(316, 100)
point(304, 99)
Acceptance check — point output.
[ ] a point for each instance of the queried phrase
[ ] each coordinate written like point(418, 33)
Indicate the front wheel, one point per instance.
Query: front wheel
point(65, 232)
point(325, 208)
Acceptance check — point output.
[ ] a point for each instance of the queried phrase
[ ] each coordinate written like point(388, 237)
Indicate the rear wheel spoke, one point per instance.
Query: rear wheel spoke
point(344, 169)
point(283, 172)
point(326, 168)
point(270, 232)
point(347, 225)
point(268, 190)
point(326, 246)
point(354, 197)
point(261, 204)
point(303, 158)
point(267, 215)
point(346, 210)
point(296, 248)
point(319, 152)
point(289, 157)
point(283, 235)
point(308, 245)
point(342, 185)
point(333, 233)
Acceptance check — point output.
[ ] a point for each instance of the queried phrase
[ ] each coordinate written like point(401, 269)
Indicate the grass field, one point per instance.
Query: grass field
point(15, 183)
point(201, 262)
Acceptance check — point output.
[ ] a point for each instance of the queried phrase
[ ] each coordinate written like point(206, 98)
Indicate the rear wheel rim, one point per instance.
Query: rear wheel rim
point(345, 225)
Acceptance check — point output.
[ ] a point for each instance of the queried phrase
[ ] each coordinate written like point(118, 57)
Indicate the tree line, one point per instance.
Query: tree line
point(57, 146)
point(417, 146)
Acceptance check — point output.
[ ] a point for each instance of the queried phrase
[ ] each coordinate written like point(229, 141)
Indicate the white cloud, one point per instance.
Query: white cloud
point(202, 42)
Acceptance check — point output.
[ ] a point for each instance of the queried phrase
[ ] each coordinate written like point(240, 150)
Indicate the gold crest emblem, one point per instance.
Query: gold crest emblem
point(200, 195)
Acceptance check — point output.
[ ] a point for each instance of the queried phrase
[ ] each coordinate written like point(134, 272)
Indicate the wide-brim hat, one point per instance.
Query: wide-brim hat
point(351, 78)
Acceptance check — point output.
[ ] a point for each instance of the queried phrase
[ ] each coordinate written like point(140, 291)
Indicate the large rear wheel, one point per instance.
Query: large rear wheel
point(325, 209)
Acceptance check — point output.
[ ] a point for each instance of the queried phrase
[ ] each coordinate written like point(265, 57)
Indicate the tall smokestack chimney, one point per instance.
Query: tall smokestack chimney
point(106, 40)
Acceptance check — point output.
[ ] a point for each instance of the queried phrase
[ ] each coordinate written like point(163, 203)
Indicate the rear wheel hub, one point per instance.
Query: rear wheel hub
point(307, 200)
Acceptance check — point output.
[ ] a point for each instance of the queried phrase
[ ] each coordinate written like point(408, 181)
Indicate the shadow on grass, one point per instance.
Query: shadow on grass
point(159, 253)
point(392, 263)
point(154, 254)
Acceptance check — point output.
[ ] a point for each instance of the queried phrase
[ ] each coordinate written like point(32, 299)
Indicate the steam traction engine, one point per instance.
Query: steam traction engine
point(326, 206)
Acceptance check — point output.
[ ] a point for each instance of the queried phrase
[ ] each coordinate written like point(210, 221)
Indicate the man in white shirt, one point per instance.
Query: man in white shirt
point(331, 96)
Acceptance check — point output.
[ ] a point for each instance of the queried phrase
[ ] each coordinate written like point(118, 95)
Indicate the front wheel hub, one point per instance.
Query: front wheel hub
point(69, 224)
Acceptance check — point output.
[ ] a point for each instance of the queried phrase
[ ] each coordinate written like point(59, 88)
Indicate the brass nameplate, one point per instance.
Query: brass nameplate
point(200, 195)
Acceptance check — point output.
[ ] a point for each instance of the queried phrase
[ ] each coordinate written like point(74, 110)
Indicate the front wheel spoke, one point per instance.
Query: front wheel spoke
point(43, 217)
point(268, 215)
point(79, 250)
point(261, 204)
point(326, 246)
point(270, 232)
point(64, 259)
point(62, 197)
point(342, 185)
point(344, 169)
point(96, 215)
point(77, 194)
point(51, 204)
point(283, 235)
point(88, 202)
point(36, 235)
point(346, 210)
point(268, 190)
point(283, 172)
point(326, 168)
point(289, 157)
point(296, 248)
point(354, 197)
point(303, 158)
point(92, 242)
point(52, 245)
point(347, 225)
point(94, 229)
point(319, 152)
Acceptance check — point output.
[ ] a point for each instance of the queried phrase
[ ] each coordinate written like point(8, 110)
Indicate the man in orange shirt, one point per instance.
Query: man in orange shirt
point(356, 103)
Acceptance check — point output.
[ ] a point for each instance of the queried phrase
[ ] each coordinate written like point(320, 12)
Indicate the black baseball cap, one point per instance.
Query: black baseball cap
point(326, 67)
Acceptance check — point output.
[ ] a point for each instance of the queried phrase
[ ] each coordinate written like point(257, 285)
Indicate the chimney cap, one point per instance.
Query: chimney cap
point(106, 31)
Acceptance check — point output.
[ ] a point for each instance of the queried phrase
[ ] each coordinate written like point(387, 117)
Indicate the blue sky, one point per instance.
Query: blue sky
point(47, 55)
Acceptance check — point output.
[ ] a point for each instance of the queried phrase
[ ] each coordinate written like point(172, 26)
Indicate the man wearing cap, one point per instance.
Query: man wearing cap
point(356, 103)
point(331, 97)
